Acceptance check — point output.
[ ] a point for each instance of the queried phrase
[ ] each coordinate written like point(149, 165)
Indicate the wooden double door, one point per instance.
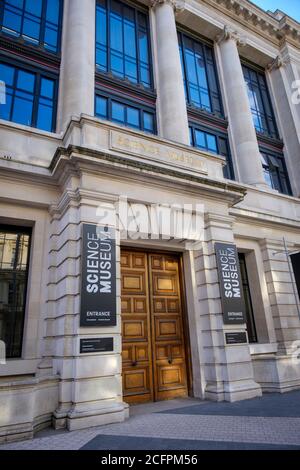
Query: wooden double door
point(153, 342)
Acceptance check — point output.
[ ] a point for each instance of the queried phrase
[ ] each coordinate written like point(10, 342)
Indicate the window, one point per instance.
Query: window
point(122, 42)
point(14, 258)
point(260, 102)
point(275, 172)
point(123, 113)
point(29, 97)
point(199, 74)
point(215, 143)
point(251, 329)
point(38, 22)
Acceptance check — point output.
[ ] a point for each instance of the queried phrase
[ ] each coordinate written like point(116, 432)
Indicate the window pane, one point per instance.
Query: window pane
point(199, 75)
point(14, 254)
point(52, 13)
point(122, 56)
point(47, 88)
point(45, 115)
point(133, 117)
point(26, 81)
point(23, 106)
point(200, 139)
point(101, 107)
point(260, 103)
point(7, 74)
point(25, 18)
point(22, 98)
point(118, 112)
point(148, 122)
point(212, 143)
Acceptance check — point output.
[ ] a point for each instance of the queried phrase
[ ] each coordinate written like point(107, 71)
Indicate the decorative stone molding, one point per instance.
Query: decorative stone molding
point(250, 16)
point(277, 63)
point(228, 34)
point(178, 5)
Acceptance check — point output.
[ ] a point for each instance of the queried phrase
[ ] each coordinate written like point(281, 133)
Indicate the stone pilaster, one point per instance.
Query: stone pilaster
point(227, 369)
point(248, 159)
point(77, 76)
point(284, 79)
point(90, 385)
point(171, 105)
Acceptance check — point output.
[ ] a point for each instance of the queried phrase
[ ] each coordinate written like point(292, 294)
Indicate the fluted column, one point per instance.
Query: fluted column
point(284, 79)
point(239, 113)
point(77, 77)
point(172, 112)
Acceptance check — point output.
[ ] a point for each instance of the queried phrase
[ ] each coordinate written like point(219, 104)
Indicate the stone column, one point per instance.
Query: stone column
point(77, 76)
point(171, 109)
point(284, 78)
point(241, 124)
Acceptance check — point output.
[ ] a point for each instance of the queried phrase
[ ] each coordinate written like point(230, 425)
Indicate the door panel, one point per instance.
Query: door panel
point(136, 328)
point(169, 363)
point(154, 363)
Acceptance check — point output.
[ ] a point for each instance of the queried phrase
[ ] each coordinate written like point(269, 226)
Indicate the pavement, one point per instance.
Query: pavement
point(271, 422)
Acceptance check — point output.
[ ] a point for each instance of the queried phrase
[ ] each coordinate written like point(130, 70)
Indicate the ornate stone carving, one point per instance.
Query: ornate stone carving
point(228, 33)
point(178, 5)
point(277, 63)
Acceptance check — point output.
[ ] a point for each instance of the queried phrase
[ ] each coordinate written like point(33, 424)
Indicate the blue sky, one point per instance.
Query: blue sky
point(291, 7)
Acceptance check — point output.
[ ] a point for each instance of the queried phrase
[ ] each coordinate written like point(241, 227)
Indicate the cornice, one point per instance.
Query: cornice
point(251, 17)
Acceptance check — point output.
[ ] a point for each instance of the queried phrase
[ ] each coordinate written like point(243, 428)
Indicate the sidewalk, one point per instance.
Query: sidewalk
point(270, 422)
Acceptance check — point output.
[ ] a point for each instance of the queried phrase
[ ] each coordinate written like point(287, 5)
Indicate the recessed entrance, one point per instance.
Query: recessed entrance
point(153, 339)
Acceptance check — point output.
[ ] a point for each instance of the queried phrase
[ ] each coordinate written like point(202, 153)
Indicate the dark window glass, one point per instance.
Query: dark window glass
point(36, 21)
point(121, 112)
point(214, 143)
point(275, 172)
point(122, 42)
point(251, 329)
point(260, 102)
point(27, 98)
point(199, 75)
point(14, 256)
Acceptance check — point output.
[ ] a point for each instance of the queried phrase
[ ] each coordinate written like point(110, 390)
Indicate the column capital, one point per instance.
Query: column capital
point(178, 5)
point(277, 63)
point(228, 33)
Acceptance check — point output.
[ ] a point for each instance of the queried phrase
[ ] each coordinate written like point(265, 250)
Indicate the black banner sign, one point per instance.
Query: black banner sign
point(238, 337)
point(230, 284)
point(96, 345)
point(296, 267)
point(98, 287)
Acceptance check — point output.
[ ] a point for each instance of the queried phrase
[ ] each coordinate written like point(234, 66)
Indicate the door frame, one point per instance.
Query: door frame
point(185, 319)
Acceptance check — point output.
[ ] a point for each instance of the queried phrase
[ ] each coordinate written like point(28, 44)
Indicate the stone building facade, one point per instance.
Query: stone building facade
point(165, 103)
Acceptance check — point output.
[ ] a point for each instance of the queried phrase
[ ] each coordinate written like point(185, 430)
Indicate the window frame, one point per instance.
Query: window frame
point(194, 126)
point(261, 73)
point(22, 231)
point(137, 9)
point(204, 44)
point(141, 107)
point(41, 42)
point(250, 317)
point(39, 73)
point(278, 156)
